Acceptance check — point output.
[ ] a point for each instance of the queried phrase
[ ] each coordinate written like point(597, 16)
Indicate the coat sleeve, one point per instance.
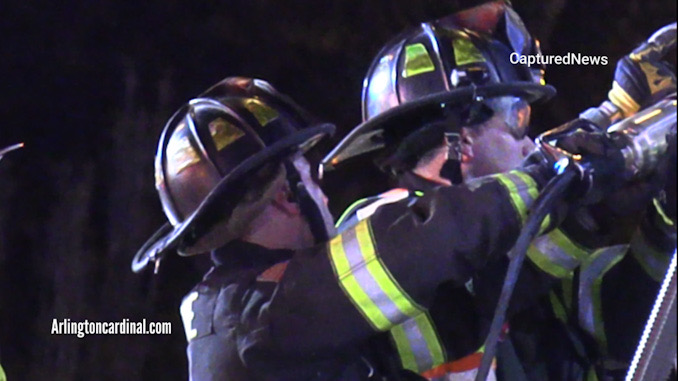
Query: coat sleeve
point(385, 269)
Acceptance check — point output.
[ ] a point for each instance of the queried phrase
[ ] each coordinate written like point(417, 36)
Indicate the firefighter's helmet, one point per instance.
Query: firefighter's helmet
point(215, 149)
point(439, 68)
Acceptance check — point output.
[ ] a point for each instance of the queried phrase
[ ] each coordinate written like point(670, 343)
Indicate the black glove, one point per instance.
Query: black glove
point(599, 162)
point(642, 78)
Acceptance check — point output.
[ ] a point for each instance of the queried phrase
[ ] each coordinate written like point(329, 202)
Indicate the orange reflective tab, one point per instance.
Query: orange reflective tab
point(464, 364)
point(273, 273)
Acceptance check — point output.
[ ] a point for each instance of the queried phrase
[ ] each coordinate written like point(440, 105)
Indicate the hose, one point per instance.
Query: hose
point(543, 205)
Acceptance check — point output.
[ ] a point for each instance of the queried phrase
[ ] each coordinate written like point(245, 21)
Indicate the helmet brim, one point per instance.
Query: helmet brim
point(358, 141)
point(170, 237)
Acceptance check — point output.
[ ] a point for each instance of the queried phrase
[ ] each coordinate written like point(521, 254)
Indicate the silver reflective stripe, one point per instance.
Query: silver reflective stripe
point(522, 188)
point(367, 282)
point(417, 344)
point(592, 272)
point(557, 255)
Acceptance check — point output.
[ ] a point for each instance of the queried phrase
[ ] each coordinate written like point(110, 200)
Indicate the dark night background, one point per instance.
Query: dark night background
point(88, 86)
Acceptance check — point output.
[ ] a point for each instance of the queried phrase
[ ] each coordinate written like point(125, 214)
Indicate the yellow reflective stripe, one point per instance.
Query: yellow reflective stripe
point(661, 212)
point(545, 224)
point(544, 264)
point(418, 345)
point(405, 351)
point(516, 201)
point(381, 274)
point(620, 98)
point(654, 262)
point(417, 60)
point(591, 278)
point(569, 246)
point(367, 282)
point(556, 254)
point(435, 347)
point(352, 289)
point(533, 191)
point(522, 191)
point(558, 308)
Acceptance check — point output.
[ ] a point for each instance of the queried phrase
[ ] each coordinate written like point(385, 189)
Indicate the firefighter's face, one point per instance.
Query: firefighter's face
point(494, 147)
point(302, 165)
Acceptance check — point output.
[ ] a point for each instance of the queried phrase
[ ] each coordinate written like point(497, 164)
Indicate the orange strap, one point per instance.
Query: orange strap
point(464, 364)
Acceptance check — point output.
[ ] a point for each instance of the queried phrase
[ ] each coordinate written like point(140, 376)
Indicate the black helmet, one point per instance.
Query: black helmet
point(439, 66)
point(231, 139)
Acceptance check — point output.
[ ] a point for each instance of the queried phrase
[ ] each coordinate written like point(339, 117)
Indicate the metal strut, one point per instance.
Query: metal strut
point(656, 352)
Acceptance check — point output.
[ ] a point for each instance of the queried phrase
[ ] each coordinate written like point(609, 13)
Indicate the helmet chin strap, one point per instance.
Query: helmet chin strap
point(307, 205)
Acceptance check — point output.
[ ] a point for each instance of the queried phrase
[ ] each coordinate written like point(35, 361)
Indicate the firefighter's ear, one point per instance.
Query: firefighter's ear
point(285, 202)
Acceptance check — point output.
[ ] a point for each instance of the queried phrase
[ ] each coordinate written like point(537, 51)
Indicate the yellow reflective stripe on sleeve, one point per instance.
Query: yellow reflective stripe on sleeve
point(367, 282)
point(590, 282)
point(556, 254)
point(352, 289)
point(522, 191)
point(418, 344)
point(654, 262)
point(661, 212)
point(545, 265)
point(558, 308)
point(405, 351)
point(532, 185)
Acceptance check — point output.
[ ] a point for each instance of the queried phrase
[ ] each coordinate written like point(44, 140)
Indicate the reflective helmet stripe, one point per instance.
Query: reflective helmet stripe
point(556, 254)
point(593, 270)
point(366, 280)
point(417, 60)
point(465, 52)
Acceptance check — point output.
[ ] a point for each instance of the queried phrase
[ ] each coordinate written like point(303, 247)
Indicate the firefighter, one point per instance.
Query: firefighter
point(282, 302)
point(416, 119)
point(406, 102)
